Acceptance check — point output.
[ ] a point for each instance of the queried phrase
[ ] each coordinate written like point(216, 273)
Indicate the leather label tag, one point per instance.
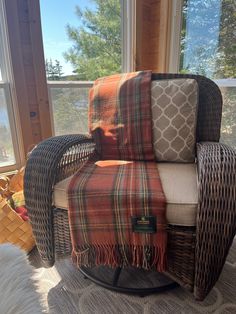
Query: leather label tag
point(144, 224)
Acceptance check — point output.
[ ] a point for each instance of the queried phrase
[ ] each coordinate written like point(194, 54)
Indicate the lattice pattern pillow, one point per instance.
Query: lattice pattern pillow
point(174, 114)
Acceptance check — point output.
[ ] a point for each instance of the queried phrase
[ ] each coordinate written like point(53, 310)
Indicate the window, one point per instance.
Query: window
point(208, 47)
point(7, 156)
point(83, 41)
point(9, 142)
point(69, 102)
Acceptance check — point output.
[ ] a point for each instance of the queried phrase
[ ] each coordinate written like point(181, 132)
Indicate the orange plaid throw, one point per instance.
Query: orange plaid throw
point(117, 207)
point(120, 117)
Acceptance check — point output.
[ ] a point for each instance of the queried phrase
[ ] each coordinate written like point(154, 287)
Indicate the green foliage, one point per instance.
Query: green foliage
point(208, 54)
point(70, 108)
point(96, 49)
point(226, 55)
point(228, 128)
point(53, 70)
point(226, 68)
point(6, 149)
point(216, 63)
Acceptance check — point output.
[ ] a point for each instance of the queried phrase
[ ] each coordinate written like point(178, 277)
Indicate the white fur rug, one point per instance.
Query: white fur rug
point(18, 288)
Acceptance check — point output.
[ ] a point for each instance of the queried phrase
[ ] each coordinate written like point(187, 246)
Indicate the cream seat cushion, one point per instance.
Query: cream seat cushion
point(179, 183)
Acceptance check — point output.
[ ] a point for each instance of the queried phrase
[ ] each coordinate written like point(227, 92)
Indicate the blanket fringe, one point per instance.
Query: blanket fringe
point(145, 257)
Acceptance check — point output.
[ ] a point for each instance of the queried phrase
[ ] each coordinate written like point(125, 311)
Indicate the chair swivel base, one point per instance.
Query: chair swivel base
point(113, 285)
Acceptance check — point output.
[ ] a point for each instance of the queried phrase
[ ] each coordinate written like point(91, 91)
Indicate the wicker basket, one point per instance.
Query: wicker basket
point(14, 229)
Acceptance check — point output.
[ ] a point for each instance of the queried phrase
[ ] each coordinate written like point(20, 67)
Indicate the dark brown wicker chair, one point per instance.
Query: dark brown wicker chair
point(196, 255)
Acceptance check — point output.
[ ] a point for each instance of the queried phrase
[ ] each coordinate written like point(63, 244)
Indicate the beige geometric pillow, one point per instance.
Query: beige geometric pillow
point(174, 115)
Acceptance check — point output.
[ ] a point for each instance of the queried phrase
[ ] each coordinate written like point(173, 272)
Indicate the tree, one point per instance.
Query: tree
point(199, 41)
point(208, 44)
point(228, 127)
point(209, 48)
point(226, 68)
point(96, 49)
point(53, 70)
point(70, 110)
point(226, 54)
point(6, 148)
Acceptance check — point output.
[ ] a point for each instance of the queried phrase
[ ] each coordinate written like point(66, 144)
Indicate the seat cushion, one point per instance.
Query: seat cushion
point(179, 183)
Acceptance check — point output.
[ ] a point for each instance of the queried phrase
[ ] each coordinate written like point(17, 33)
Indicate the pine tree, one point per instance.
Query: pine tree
point(96, 49)
point(53, 70)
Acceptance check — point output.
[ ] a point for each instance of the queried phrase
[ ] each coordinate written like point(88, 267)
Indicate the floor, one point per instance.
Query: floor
point(68, 292)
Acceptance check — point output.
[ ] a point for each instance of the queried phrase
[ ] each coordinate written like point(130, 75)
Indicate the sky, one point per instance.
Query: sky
point(55, 15)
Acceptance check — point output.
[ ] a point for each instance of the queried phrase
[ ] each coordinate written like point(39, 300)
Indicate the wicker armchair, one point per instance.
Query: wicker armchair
point(196, 254)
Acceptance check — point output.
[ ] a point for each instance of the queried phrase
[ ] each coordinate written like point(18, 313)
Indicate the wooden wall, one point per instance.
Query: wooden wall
point(152, 34)
point(29, 84)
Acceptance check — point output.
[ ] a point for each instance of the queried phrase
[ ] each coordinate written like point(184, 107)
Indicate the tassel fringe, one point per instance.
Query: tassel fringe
point(145, 257)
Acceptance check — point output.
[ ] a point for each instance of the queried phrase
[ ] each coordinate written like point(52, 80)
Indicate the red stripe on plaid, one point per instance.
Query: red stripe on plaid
point(102, 199)
point(120, 116)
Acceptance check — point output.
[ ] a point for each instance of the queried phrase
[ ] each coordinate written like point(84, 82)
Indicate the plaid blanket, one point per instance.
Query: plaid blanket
point(104, 198)
point(120, 117)
point(117, 205)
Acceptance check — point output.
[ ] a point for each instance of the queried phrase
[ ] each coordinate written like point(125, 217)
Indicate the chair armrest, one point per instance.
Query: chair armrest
point(216, 218)
point(52, 160)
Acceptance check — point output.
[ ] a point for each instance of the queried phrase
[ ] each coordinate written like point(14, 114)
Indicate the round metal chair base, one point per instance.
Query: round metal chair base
point(114, 286)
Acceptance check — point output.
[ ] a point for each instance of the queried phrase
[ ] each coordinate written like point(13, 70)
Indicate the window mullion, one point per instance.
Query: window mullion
point(128, 17)
point(175, 37)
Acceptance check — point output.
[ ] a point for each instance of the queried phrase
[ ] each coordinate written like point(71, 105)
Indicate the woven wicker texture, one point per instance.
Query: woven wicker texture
point(52, 160)
point(59, 157)
point(181, 255)
point(13, 229)
point(216, 219)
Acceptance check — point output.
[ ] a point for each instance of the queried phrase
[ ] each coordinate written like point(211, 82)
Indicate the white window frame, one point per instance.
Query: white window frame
point(7, 84)
point(175, 37)
point(128, 35)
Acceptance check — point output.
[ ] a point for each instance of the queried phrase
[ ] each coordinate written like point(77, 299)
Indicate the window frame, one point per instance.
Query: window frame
point(128, 35)
point(175, 36)
point(7, 83)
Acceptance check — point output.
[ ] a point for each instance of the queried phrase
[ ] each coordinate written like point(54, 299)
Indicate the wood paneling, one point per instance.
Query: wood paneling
point(39, 68)
point(26, 49)
point(152, 34)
